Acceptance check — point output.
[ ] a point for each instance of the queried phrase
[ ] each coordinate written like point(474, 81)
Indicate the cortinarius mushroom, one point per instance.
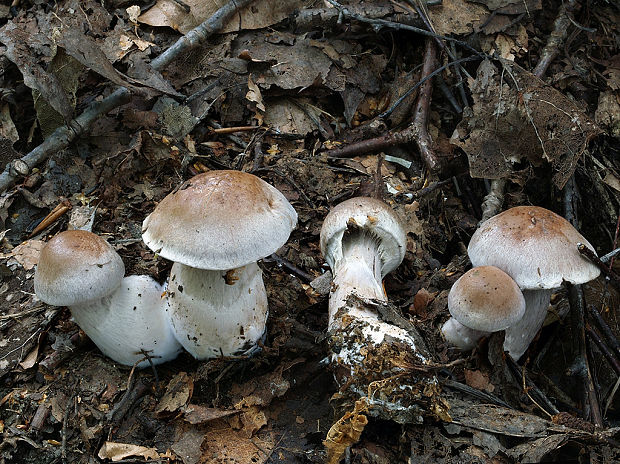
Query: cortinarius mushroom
point(483, 300)
point(362, 240)
point(373, 346)
point(538, 249)
point(124, 317)
point(215, 227)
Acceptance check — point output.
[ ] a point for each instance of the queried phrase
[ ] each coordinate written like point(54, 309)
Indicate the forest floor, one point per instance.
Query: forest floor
point(325, 101)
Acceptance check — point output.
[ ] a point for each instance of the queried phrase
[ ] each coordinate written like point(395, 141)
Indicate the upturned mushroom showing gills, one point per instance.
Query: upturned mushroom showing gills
point(362, 240)
point(124, 317)
point(483, 300)
point(215, 227)
point(538, 249)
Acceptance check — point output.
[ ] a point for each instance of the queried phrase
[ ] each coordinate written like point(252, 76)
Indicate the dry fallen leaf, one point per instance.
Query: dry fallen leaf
point(178, 393)
point(26, 253)
point(195, 414)
point(118, 451)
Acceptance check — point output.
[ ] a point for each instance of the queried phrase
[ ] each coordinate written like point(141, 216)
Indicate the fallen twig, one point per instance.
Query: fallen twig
point(378, 24)
point(581, 365)
point(493, 201)
point(607, 332)
point(602, 347)
point(418, 129)
point(610, 273)
point(64, 135)
point(557, 36)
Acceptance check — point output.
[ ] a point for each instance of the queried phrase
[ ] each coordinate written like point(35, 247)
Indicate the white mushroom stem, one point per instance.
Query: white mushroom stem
point(358, 273)
point(520, 335)
point(130, 319)
point(461, 336)
point(217, 313)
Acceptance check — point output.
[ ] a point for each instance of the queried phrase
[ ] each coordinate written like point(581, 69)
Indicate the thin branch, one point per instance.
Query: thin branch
point(581, 363)
point(556, 38)
point(64, 135)
point(610, 273)
point(378, 24)
point(493, 201)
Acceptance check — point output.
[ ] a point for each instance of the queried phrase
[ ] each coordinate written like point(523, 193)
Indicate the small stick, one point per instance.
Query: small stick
point(581, 363)
point(303, 275)
point(607, 332)
point(431, 187)
point(528, 385)
point(232, 130)
point(60, 209)
point(556, 38)
point(418, 128)
point(493, 201)
point(600, 344)
point(610, 273)
point(610, 255)
point(611, 262)
point(377, 24)
point(40, 416)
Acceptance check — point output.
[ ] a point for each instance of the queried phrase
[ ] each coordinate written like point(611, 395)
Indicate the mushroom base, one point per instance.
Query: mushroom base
point(520, 335)
point(461, 336)
point(217, 313)
point(130, 323)
point(383, 363)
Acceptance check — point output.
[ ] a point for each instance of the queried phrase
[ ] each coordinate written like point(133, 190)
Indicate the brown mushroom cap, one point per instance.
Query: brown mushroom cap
point(533, 245)
point(220, 220)
point(77, 266)
point(485, 298)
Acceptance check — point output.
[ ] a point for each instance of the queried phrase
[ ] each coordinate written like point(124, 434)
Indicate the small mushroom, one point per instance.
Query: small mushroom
point(215, 227)
point(538, 249)
point(483, 300)
point(124, 317)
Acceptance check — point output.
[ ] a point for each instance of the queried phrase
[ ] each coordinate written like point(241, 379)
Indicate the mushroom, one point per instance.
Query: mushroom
point(362, 240)
point(215, 227)
point(124, 317)
point(373, 347)
point(538, 249)
point(483, 300)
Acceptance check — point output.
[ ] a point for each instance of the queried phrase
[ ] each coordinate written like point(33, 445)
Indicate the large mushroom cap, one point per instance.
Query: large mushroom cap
point(533, 245)
point(220, 220)
point(485, 298)
point(77, 266)
point(370, 215)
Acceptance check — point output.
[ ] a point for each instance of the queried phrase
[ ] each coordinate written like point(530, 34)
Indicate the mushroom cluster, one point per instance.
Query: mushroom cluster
point(538, 249)
point(214, 227)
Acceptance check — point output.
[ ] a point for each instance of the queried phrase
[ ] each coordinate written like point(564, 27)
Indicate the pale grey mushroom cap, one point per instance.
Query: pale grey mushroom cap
point(220, 220)
point(373, 216)
point(533, 245)
point(77, 266)
point(486, 299)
